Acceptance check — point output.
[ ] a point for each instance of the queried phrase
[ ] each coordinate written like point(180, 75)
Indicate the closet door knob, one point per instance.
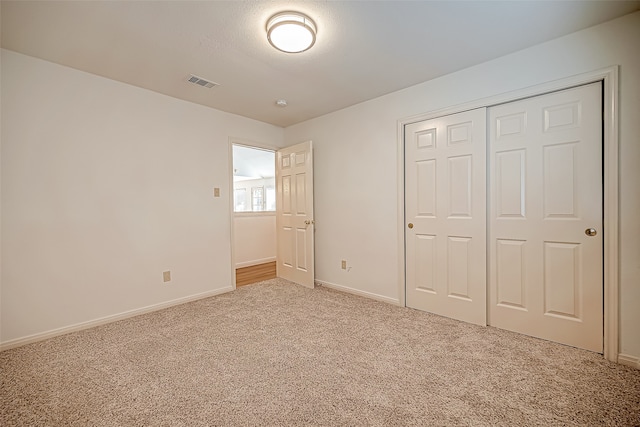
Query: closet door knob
point(590, 232)
point(410, 225)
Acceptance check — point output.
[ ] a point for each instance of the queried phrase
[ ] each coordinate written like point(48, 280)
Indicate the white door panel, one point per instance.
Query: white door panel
point(294, 214)
point(545, 180)
point(445, 203)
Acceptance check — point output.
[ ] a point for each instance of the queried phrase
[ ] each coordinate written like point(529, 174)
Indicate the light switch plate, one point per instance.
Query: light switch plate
point(216, 192)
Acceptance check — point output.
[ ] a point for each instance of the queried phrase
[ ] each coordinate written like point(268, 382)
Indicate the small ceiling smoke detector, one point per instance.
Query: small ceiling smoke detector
point(291, 32)
point(201, 82)
point(281, 102)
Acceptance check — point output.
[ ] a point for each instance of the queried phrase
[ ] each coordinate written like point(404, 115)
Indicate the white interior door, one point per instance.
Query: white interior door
point(294, 214)
point(546, 195)
point(445, 208)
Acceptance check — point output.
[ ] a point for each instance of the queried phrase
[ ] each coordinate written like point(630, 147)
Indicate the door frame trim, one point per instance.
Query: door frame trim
point(246, 143)
point(611, 282)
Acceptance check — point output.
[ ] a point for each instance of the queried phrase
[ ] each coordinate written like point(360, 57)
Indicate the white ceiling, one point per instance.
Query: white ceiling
point(252, 163)
point(364, 49)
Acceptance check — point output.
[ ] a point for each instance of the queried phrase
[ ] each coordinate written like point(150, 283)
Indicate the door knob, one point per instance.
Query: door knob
point(307, 222)
point(410, 225)
point(590, 232)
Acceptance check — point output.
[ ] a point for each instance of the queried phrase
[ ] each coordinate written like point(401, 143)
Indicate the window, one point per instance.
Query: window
point(240, 199)
point(257, 199)
point(254, 188)
point(271, 199)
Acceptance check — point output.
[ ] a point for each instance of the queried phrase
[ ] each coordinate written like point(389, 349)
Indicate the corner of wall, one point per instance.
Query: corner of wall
point(627, 360)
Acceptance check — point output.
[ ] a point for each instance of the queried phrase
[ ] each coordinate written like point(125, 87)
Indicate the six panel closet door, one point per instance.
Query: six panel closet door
point(445, 208)
point(545, 219)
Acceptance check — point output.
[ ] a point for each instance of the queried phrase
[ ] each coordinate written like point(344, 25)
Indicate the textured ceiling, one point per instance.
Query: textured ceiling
point(253, 163)
point(364, 49)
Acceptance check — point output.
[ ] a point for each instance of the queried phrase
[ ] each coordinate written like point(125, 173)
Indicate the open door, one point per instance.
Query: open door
point(294, 214)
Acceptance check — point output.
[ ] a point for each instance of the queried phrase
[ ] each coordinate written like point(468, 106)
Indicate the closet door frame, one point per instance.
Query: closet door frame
point(611, 282)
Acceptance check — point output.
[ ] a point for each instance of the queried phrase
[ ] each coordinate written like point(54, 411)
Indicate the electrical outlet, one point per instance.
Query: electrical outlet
point(216, 192)
point(344, 264)
point(166, 276)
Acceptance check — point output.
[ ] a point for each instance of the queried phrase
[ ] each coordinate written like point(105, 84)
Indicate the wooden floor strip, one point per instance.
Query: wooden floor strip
point(255, 273)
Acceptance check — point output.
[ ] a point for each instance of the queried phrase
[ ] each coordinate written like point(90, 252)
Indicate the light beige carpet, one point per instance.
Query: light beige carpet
point(275, 354)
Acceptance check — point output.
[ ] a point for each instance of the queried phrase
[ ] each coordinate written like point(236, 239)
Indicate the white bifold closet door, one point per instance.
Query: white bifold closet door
point(545, 219)
point(445, 208)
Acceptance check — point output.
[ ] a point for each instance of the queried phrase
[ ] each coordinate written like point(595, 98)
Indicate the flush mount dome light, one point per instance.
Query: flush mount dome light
point(291, 32)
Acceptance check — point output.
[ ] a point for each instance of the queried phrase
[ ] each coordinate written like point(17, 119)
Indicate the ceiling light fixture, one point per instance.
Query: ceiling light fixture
point(291, 32)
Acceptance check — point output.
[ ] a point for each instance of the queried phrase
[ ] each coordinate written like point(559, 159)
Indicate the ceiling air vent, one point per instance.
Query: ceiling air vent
point(201, 82)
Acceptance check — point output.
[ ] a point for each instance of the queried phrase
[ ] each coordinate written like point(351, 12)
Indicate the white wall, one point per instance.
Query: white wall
point(104, 187)
point(356, 165)
point(254, 237)
point(254, 233)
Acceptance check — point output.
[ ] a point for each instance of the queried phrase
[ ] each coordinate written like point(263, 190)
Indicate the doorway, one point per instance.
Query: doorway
point(272, 232)
point(254, 213)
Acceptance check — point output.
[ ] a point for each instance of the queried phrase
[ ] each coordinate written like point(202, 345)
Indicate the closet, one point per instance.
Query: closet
point(504, 216)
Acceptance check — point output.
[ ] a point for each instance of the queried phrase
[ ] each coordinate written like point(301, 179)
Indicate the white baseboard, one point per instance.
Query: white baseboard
point(254, 262)
point(358, 292)
point(625, 359)
point(108, 319)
